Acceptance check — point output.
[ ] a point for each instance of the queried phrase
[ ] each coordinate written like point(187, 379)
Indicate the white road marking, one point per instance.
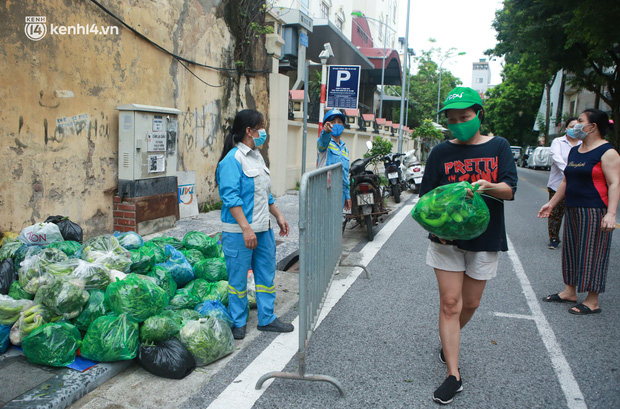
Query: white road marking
point(519, 316)
point(241, 393)
point(563, 371)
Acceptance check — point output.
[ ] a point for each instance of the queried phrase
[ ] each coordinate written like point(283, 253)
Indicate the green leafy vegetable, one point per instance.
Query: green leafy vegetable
point(164, 280)
point(138, 297)
point(207, 339)
point(160, 327)
point(201, 242)
point(142, 260)
point(17, 292)
point(211, 269)
point(185, 298)
point(68, 247)
point(52, 344)
point(106, 250)
point(64, 297)
point(94, 308)
point(111, 338)
point(192, 256)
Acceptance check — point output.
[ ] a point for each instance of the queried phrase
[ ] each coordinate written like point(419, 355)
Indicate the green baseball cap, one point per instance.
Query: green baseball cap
point(461, 98)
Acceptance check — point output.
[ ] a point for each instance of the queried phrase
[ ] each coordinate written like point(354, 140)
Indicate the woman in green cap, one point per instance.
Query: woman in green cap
point(463, 267)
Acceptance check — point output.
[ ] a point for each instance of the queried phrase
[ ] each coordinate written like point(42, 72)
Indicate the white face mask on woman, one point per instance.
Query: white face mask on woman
point(579, 133)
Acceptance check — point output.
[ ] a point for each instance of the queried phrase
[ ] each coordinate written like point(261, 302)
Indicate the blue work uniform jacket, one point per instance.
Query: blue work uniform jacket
point(330, 152)
point(243, 180)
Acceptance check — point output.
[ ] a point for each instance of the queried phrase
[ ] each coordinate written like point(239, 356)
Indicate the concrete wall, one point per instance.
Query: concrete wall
point(58, 123)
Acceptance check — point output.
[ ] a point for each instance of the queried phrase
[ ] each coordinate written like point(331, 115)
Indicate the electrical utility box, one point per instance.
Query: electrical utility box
point(147, 154)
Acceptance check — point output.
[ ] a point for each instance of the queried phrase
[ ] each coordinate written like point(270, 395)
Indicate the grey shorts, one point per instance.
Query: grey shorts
point(479, 265)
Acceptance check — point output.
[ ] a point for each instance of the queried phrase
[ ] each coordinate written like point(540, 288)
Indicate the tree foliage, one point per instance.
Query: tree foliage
point(581, 37)
point(379, 146)
point(427, 130)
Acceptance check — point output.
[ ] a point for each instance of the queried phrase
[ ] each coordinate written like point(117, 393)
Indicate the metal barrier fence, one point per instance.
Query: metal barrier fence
point(320, 248)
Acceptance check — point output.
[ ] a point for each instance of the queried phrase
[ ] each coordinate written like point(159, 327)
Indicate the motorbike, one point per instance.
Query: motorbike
point(393, 173)
point(413, 171)
point(366, 198)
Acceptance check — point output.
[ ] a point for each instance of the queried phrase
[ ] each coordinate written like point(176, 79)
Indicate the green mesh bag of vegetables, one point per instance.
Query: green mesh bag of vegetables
point(94, 308)
point(200, 287)
point(18, 293)
point(160, 328)
point(184, 315)
point(207, 339)
point(164, 279)
point(159, 254)
point(219, 292)
point(451, 213)
point(192, 256)
point(111, 338)
point(211, 269)
point(163, 240)
point(185, 298)
point(52, 344)
point(68, 247)
point(142, 260)
point(138, 297)
point(201, 242)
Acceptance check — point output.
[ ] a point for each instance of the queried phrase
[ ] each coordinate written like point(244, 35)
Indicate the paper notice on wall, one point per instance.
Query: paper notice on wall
point(188, 203)
point(156, 142)
point(156, 163)
point(158, 123)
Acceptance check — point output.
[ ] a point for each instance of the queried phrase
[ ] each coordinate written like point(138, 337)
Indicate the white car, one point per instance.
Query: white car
point(540, 158)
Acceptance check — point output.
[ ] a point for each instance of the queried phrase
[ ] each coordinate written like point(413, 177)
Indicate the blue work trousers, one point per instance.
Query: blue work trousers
point(239, 260)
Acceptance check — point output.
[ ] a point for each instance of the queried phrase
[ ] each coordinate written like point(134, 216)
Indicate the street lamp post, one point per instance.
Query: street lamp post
point(359, 14)
point(439, 88)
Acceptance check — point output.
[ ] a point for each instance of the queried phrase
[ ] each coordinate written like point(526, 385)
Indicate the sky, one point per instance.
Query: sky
point(464, 25)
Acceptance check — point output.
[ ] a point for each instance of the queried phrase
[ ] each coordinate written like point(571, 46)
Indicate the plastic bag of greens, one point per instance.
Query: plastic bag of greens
point(40, 234)
point(69, 247)
point(106, 250)
point(167, 359)
point(94, 308)
point(184, 316)
point(29, 320)
point(192, 256)
point(215, 309)
point(200, 287)
point(219, 292)
point(158, 251)
point(160, 328)
point(142, 260)
point(10, 309)
point(25, 251)
point(164, 280)
point(92, 275)
point(251, 290)
point(9, 249)
point(5, 330)
point(7, 275)
point(33, 272)
point(208, 339)
point(52, 344)
point(450, 213)
point(201, 242)
point(129, 240)
point(65, 297)
point(111, 338)
point(211, 269)
point(68, 229)
point(178, 267)
point(137, 297)
point(165, 240)
point(184, 298)
point(17, 292)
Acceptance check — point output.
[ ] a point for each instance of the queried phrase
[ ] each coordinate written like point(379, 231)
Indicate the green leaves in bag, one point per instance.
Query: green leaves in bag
point(137, 296)
point(111, 338)
point(52, 344)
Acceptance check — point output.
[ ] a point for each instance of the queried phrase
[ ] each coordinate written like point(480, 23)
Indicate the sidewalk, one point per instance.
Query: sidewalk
point(25, 385)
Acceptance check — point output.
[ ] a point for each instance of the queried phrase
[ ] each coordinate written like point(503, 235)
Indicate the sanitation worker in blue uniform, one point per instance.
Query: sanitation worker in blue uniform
point(332, 150)
point(248, 241)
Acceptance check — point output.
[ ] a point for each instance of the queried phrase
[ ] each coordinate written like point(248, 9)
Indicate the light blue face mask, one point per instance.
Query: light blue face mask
point(337, 129)
point(262, 137)
point(570, 132)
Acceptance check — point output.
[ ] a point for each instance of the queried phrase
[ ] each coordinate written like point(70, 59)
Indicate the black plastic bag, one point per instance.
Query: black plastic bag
point(68, 229)
point(168, 359)
point(7, 275)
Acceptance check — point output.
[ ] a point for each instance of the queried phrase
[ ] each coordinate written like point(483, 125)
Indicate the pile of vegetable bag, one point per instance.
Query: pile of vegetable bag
point(451, 212)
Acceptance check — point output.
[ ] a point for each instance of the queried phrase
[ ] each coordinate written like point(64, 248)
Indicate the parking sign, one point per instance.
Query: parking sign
point(343, 86)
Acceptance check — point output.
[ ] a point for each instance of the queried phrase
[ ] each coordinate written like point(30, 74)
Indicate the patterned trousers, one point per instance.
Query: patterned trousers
point(555, 218)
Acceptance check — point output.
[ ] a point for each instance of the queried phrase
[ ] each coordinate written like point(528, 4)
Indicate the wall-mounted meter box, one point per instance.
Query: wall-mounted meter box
point(147, 149)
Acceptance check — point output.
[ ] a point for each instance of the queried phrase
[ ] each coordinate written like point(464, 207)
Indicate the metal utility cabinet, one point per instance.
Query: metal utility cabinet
point(147, 167)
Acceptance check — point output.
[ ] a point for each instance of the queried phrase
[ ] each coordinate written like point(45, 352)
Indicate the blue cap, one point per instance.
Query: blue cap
point(333, 113)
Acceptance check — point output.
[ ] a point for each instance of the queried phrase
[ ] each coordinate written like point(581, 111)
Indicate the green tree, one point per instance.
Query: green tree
point(427, 130)
point(580, 37)
point(379, 146)
point(511, 106)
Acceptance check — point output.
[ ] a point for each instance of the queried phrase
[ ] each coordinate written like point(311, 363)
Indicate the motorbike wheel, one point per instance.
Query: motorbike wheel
point(368, 223)
point(396, 193)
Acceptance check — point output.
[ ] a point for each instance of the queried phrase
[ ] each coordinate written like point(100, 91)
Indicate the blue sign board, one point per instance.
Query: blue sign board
point(303, 39)
point(343, 86)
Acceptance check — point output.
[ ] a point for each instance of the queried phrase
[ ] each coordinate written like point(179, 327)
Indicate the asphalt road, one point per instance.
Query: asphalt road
point(380, 340)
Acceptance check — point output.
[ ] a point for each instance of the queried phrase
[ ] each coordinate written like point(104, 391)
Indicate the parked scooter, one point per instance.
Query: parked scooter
point(394, 174)
point(366, 199)
point(413, 171)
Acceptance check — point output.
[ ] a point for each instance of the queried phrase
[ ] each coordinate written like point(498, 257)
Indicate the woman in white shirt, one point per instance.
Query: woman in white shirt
point(559, 154)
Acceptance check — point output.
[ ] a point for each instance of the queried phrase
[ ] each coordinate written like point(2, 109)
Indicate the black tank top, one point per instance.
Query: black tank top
point(585, 182)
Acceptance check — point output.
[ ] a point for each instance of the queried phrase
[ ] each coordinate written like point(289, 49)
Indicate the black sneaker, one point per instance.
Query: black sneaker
point(553, 244)
point(238, 332)
point(277, 326)
point(442, 357)
point(445, 393)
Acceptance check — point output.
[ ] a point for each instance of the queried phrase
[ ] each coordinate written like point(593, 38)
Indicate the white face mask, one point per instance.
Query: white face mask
point(579, 133)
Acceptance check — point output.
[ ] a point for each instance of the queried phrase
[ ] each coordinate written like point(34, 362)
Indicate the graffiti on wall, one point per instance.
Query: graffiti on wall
point(201, 126)
point(75, 125)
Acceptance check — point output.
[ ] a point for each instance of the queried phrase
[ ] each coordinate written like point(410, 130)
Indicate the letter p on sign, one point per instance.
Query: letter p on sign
point(342, 76)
